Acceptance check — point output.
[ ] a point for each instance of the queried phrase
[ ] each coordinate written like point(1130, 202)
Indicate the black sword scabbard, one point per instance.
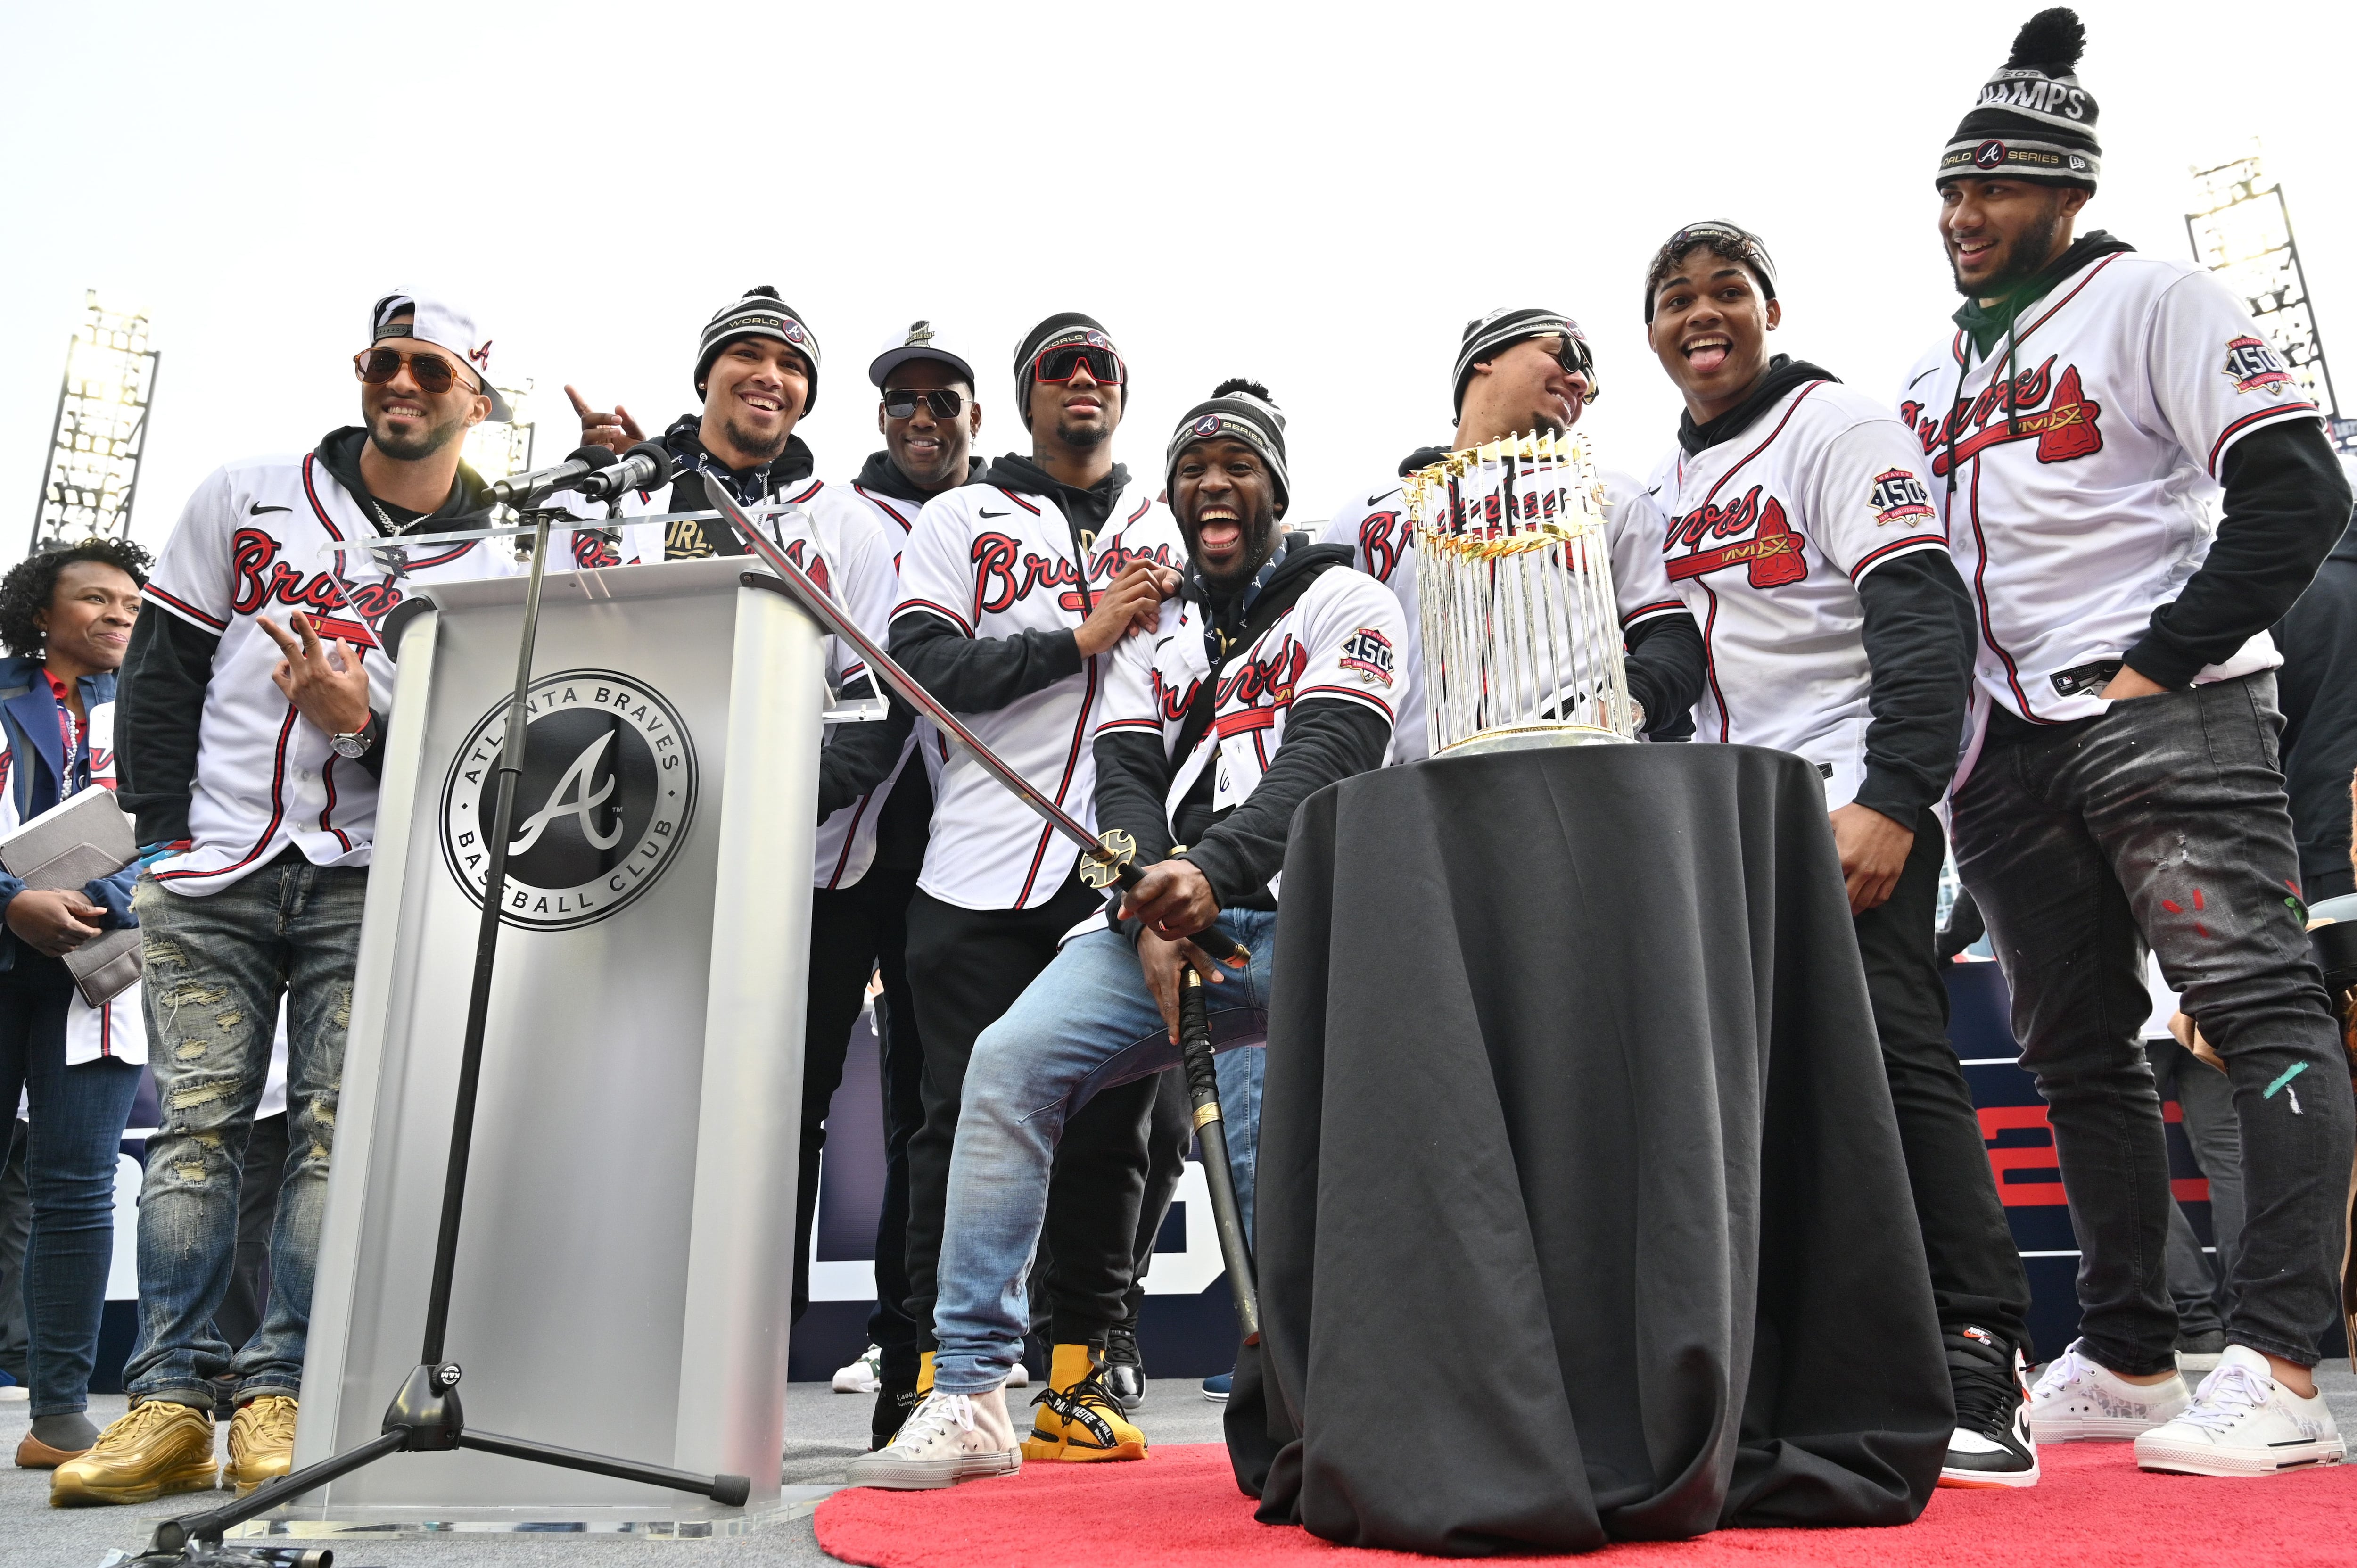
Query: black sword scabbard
point(1212, 1132)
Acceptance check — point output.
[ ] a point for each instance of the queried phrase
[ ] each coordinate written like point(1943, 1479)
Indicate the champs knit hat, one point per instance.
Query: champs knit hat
point(760, 314)
point(1237, 409)
point(2033, 121)
point(1486, 336)
point(1066, 330)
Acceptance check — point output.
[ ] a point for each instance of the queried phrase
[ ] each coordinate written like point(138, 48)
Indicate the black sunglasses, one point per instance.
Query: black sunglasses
point(903, 405)
point(433, 374)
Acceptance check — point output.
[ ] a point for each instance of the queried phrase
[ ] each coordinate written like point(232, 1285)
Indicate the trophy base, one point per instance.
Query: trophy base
point(1530, 738)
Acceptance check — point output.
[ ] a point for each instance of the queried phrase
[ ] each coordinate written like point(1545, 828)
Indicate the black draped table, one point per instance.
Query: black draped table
point(1581, 1212)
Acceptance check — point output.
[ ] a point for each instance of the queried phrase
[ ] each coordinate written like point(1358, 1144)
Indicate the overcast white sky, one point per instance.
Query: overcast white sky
point(1316, 196)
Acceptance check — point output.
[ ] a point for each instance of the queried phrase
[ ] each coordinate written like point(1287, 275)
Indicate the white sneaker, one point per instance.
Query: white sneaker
point(948, 1438)
point(863, 1375)
point(2077, 1400)
point(2243, 1423)
point(1017, 1377)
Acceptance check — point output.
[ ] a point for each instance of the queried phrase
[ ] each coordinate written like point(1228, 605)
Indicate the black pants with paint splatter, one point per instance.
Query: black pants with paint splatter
point(2164, 822)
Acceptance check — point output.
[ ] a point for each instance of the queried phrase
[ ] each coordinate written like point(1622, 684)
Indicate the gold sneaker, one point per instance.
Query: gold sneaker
point(261, 1442)
point(159, 1448)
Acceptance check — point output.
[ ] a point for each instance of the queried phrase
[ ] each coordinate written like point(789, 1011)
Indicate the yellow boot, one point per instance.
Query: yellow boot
point(1079, 1419)
point(924, 1373)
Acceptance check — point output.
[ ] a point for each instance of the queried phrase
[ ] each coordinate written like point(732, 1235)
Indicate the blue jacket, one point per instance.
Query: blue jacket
point(28, 729)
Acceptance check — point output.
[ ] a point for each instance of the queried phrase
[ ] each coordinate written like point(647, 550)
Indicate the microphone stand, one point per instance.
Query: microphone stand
point(425, 1416)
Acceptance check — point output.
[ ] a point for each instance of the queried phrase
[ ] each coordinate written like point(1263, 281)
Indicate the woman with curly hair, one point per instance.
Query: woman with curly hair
point(66, 616)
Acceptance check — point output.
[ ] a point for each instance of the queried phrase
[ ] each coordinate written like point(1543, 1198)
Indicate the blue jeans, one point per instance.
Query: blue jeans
point(72, 1144)
point(216, 969)
point(1086, 1025)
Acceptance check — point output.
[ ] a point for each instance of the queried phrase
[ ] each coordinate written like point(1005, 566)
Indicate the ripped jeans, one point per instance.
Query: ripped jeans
point(217, 968)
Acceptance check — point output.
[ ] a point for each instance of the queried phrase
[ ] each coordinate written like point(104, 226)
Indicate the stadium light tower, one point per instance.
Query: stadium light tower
point(496, 451)
point(2241, 230)
point(101, 427)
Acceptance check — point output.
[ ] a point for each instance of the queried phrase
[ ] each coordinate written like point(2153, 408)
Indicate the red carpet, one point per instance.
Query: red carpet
point(1181, 1509)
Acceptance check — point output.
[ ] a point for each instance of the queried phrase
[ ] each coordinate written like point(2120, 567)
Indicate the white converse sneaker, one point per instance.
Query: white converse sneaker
point(2243, 1423)
point(1017, 1378)
point(2077, 1400)
point(948, 1438)
point(863, 1375)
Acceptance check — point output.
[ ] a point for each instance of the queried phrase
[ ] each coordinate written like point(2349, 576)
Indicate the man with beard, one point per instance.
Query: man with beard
point(1014, 593)
point(756, 370)
point(1801, 534)
point(1529, 372)
point(249, 754)
point(2124, 790)
point(1268, 676)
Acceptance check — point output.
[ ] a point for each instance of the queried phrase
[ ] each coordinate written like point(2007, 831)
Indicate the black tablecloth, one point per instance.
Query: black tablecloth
point(1581, 1212)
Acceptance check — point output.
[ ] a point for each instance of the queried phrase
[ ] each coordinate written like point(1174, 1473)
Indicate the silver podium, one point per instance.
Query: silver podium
point(624, 1270)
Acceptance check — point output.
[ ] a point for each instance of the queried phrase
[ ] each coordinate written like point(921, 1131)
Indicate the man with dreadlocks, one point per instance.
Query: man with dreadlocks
point(2122, 787)
point(1271, 674)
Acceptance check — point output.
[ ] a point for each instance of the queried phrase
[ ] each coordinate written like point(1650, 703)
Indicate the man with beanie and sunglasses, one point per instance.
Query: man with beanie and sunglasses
point(1271, 674)
point(1013, 594)
point(757, 365)
point(1528, 373)
point(1802, 536)
point(2122, 789)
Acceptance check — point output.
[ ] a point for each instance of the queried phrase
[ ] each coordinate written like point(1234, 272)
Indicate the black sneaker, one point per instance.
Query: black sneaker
point(892, 1408)
point(1125, 1369)
point(1991, 1445)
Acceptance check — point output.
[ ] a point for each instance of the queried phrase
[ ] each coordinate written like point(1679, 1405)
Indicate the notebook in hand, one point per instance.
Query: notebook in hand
point(74, 842)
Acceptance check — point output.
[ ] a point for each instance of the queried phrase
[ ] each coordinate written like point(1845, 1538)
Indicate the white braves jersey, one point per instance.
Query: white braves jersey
point(2084, 509)
point(996, 562)
point(118, 1029)
point(252, 542)
point(1374, 523)
point(839, 543)
point(1340, 639)
point(1768, 535)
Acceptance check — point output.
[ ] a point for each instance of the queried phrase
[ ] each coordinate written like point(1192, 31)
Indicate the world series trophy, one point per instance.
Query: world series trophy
point(1522, 634)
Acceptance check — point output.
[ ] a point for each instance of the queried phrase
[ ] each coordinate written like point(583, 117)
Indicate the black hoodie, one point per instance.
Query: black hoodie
point(2316, 689)
point(692, 462)
point(883, 476)
point(171, 662)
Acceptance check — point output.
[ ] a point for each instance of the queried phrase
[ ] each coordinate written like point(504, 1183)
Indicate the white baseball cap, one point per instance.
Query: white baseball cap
point(918, 341)
point(446, 325)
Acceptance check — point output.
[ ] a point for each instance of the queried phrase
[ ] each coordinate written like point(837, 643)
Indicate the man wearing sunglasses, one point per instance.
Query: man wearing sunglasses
point(1528, 373)
point(756, 370)
point(249, 752)
point(1013, 594)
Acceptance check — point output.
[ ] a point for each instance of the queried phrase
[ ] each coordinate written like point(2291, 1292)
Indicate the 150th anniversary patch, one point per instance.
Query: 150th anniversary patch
point(607, 790)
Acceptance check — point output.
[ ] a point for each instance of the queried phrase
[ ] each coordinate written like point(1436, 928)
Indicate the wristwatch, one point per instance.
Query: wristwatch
point(356, 744)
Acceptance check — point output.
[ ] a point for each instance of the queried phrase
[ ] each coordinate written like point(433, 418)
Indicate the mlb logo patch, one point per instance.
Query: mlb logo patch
point(2253, 366)
point(1369, 652)
point(1899, 497)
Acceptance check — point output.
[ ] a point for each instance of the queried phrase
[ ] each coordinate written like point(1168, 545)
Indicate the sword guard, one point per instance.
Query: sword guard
point(1116, 849)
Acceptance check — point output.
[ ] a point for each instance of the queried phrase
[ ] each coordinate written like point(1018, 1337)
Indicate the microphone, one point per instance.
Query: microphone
point(564, 476)
point(643, 467)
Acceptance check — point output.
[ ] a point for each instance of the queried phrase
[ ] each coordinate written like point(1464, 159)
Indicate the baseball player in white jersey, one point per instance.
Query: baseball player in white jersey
point(66, 616)
point(1802, 535)
point(1527, 371)
point(1270, 675)
point(756, 370)
point(253, 696)
point(1013, 592)
point(2080, 421)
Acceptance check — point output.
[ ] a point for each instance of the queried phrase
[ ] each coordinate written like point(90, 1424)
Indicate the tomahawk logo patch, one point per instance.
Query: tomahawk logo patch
point(604, 802)
point(2253, 366)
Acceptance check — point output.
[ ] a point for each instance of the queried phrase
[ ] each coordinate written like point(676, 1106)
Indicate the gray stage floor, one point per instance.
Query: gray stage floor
point(824, 1429)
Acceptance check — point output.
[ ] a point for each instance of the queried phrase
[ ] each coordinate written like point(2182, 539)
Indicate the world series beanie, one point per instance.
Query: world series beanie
point(2033, 121)
point(1061, 330)
point(760, 314)
point(1486, 336)
point(1237, 409)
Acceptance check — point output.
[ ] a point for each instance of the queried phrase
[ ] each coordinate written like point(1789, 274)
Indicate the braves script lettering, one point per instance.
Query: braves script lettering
point(2051, 408)
point(1003, 572)
point(262, 579)
point(1771, 551)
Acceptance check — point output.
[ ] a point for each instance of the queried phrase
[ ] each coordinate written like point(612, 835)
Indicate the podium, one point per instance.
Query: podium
point(624, 1270)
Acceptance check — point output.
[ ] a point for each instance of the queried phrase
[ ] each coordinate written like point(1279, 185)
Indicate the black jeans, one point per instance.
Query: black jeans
point(1976, 1274)
point(854, 931)
point(966, 967)
point(2163, 821)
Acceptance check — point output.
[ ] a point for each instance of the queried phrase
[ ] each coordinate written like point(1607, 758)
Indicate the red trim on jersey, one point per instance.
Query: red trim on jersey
point(850, 837)
point(1072, 764)
point(1019, 501)
point(1710, 659)
point(1795, 408)
point(1132, 517)
point(1980, 592)
point(1152, 724)
point(278, 812)
point(327, 777)
point(1243, 721)
point(905, 606)
point(106, 1027)
point(1660, 606)
point(153, 592)
point(325, 520)
point(2249, 419)
point(1916, 541)
point(907, 525)
point(816, 485)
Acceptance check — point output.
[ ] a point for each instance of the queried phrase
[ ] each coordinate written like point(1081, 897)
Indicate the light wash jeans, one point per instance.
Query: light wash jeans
point(1087, 1024)
point(216, 967)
